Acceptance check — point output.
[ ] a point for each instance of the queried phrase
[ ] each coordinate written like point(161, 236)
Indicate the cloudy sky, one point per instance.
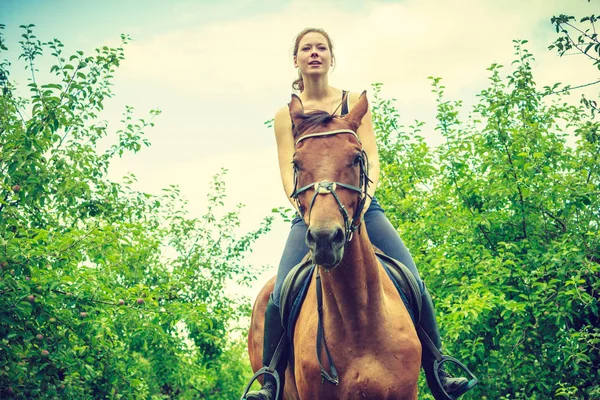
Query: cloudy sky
point(219, 69)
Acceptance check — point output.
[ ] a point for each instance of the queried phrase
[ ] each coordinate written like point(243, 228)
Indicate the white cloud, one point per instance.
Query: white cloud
point(399, 44)
point(235, 74)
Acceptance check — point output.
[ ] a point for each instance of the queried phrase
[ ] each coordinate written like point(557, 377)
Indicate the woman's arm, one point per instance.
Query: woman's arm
point(367, 137)
point(285, 151)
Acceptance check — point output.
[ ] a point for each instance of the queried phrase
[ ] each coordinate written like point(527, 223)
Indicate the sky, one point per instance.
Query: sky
point(218, 69)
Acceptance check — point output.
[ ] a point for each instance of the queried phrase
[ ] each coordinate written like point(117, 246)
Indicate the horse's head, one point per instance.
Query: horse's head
point(330, 178)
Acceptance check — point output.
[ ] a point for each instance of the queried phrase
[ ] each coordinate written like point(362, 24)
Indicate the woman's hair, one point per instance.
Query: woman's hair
point(298, 84)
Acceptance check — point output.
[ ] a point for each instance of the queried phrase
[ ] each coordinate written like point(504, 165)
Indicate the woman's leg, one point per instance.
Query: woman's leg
point(383, 236)
point(294, 251)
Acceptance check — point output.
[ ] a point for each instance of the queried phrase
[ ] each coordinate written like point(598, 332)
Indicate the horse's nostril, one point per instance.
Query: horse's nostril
point(325, 237)
point(339, 236)
point(310, 238)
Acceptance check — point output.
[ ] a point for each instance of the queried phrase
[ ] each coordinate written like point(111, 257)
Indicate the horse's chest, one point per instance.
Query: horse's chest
point(380, 368)
point(366, 378)
point(376, 336)
point(376, 352)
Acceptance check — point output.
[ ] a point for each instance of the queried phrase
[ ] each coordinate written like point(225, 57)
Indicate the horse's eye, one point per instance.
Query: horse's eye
point(358, 159)
point(295, 165)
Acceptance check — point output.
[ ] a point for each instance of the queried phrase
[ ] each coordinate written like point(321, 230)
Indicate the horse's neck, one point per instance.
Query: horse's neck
point(353, 291)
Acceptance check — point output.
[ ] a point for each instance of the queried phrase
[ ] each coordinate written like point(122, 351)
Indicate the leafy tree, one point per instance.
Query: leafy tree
point(106, 292)
point(503, 221)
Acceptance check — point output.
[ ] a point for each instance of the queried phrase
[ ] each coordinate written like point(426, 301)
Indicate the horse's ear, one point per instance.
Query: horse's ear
point(359, 110)
point(296, 108)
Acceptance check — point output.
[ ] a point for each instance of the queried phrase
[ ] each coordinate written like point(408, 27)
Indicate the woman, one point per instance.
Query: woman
point(313, 56)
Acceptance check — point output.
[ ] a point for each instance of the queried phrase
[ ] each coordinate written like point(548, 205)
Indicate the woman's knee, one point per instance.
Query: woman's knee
point(294, 251)
point(385, 237)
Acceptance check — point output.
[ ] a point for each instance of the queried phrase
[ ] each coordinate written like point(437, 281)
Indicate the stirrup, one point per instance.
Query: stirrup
point(437, 365)
point(264, 371)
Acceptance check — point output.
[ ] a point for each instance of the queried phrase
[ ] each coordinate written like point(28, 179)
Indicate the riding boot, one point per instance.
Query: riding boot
point(454, 387)
point(274, 334)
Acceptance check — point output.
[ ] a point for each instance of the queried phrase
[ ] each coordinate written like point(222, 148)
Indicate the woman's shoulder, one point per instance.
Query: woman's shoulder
point(282, 120)
point(283, 111)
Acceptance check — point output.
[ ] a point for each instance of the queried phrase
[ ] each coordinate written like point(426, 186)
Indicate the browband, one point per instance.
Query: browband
point(327, 134)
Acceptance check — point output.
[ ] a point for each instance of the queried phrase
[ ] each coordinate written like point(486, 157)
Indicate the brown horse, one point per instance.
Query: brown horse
point(368, 330)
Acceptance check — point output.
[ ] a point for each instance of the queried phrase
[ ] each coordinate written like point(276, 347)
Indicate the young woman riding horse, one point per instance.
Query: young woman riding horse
point(323, 135)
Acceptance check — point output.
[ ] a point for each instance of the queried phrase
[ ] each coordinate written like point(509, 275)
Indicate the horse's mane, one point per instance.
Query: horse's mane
point(313, 119)
point(310, 120)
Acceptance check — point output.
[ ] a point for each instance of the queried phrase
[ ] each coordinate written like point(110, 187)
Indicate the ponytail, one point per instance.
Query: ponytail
point(298, 84)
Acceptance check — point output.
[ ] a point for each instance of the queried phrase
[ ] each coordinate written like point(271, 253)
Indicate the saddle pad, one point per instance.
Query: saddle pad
point(296, 285)
point(293, 291)
point(405, 283)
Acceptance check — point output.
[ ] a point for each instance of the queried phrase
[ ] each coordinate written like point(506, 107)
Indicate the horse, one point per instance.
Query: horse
point(371, 345)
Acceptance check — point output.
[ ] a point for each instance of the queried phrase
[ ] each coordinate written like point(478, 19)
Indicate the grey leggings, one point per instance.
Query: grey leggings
point(380, 231)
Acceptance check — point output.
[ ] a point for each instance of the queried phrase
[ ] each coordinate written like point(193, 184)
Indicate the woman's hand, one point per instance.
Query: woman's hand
point(285, 151)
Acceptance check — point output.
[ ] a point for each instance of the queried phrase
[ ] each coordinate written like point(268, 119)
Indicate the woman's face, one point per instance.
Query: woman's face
point(314, 55)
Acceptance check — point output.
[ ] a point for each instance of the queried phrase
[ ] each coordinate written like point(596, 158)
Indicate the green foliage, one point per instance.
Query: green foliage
point(106, 292)
point(587, 39)
point(587, 44)
point(502, 220)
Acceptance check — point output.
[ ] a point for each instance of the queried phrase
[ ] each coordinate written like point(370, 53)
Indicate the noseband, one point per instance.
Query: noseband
point(326, 187)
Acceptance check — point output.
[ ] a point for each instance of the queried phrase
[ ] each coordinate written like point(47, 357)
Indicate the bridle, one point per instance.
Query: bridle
point(326, 187)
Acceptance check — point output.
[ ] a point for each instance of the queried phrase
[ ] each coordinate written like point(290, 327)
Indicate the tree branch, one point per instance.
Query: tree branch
point(573, 87)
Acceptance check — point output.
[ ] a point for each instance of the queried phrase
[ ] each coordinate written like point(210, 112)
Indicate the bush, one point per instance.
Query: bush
point(502, 220)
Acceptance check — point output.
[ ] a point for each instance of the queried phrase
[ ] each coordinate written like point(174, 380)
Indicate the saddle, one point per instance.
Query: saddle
point(295, 286)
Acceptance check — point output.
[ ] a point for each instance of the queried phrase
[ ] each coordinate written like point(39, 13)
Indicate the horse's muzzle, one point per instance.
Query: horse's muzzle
point(326, 245)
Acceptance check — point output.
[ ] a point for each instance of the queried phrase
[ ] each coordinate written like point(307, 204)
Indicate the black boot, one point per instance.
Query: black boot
point(452, 388)
point(274, 334)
